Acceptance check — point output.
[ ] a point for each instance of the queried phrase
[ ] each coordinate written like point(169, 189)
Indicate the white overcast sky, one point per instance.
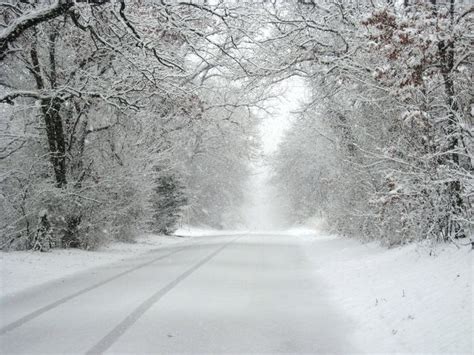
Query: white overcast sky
point(273, 127)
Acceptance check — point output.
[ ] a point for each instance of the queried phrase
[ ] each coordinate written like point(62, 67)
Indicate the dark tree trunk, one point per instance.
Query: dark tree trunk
point(56, 139)
point(446, 54)
point(50, 108)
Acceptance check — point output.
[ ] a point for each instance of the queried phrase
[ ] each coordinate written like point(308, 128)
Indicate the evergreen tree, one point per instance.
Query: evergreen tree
point(168, 202)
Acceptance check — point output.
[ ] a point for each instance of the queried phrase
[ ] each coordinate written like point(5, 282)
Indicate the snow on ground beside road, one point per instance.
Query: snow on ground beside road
point(20, 270)
point(401, 299)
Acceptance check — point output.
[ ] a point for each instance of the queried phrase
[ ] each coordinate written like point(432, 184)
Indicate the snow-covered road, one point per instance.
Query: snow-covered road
point(238, 293)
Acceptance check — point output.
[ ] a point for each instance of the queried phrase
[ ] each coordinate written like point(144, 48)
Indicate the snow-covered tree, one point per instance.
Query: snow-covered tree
point(397, 124)
point(95, 95)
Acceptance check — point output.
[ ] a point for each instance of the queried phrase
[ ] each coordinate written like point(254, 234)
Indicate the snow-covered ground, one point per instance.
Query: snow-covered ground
point(20, 270)
point(410, 299)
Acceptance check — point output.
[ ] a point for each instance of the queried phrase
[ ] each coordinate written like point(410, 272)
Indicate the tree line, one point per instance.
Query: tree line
point(384, 149)
point(118, 118)
point(122, 116)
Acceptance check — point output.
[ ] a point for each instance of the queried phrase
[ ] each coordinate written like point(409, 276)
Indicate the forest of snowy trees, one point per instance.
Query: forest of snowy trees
point(384, 150)
point(117, 117)
point(120, 116)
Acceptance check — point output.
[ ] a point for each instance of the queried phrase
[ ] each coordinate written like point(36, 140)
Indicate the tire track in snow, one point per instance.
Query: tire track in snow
point(107, 341)
point(29, 317)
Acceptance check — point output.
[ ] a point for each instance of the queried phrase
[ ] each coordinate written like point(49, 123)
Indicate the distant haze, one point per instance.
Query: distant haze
point(265, 209)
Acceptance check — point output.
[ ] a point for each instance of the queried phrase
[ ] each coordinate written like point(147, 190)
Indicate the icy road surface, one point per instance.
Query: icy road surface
point(217, 294)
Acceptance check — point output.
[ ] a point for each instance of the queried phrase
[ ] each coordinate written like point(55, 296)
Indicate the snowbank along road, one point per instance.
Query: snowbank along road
point(237, 293)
